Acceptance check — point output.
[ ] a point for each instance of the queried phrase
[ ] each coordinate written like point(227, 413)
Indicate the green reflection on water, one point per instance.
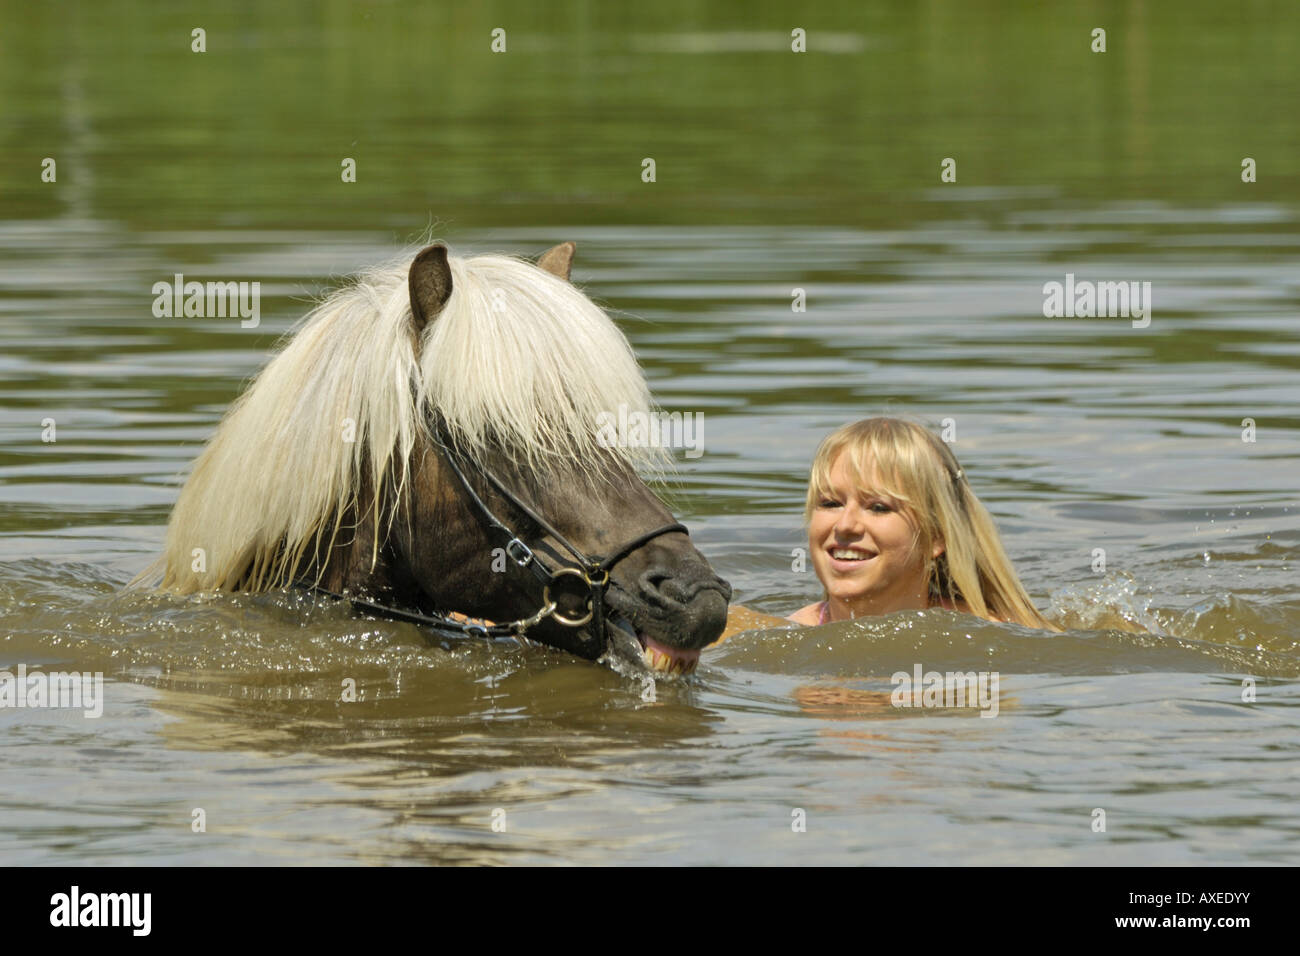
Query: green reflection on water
point(555, 129)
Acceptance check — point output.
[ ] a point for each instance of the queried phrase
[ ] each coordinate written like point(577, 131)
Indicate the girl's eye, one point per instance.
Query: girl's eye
point(828, 503)
point(881, 508)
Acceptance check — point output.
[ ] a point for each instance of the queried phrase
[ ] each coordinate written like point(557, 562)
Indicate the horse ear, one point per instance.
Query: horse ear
point(558, 260)
point(430, 285)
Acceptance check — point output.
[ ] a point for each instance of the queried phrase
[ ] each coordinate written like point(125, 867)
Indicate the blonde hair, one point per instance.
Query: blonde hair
point(920, 471)
point(518, 360)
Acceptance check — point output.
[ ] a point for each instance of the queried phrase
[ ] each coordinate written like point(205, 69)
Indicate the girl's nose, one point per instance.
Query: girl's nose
point(850, 523)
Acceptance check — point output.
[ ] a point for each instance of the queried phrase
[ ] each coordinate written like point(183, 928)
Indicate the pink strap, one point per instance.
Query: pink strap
point(826, 606)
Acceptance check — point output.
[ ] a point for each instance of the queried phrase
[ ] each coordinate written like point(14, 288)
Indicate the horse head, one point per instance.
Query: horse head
point(576, 500)
point(415, 415)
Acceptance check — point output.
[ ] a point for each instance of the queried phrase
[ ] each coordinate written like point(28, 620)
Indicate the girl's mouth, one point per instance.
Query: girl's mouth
point(849, 559)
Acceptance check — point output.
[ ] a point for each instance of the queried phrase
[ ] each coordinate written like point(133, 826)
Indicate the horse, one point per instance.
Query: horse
point(428, 444)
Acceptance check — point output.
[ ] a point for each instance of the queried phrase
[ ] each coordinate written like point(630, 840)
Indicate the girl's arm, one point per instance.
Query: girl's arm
point(741, 618)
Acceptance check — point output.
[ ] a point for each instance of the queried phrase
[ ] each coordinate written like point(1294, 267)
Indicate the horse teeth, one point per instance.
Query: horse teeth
point(668, 662)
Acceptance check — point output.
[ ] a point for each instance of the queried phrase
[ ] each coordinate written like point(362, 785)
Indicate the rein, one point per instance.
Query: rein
point(590, 577)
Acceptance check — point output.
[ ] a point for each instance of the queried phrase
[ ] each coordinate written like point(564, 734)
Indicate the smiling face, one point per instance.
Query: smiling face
point(865, 547)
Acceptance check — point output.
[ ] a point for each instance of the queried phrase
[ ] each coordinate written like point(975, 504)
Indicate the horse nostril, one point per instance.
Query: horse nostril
point(665, 587)
point(655, 578)
point(691, 603)
point(678, 588)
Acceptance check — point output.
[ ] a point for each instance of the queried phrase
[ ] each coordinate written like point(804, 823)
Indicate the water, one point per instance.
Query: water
point(923, 299)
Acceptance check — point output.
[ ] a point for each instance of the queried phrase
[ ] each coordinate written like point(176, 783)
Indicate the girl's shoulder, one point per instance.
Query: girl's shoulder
point(964, 608)
point(809, 616)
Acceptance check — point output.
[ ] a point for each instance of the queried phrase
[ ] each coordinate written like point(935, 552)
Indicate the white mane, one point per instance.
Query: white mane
point(518, 358)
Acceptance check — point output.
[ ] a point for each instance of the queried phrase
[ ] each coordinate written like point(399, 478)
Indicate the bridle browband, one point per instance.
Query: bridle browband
point(591, 573)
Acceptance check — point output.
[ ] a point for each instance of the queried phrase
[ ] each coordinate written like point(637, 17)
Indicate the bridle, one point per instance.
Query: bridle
point(590, 577)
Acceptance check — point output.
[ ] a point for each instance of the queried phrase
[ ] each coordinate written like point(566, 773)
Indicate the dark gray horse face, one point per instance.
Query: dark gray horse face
point(664, 594)
point(663, 597)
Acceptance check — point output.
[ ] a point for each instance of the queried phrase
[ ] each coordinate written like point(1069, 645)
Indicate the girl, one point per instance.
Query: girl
point(893, 525)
